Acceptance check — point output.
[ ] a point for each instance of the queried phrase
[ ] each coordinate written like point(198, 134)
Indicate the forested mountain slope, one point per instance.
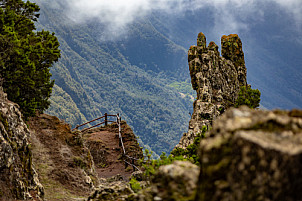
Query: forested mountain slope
point(133, 74)
point(129, 77)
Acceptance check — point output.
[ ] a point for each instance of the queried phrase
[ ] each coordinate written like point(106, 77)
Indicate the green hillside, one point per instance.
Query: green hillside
point(134, 77)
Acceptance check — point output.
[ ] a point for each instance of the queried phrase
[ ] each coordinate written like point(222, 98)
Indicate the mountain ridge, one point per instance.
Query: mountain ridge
point(93, 71)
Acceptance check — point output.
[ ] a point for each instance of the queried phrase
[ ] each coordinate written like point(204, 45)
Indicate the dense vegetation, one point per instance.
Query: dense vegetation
point(26, 56)
point(249, 97)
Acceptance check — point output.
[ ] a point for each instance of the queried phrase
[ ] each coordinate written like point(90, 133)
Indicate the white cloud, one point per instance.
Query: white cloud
point(294, 8)
point(229, 15)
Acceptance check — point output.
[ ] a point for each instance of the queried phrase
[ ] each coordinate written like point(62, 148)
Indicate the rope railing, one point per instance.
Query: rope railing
point(123, 148)
point(121, 143)
point(120, 133)
point(134, 166)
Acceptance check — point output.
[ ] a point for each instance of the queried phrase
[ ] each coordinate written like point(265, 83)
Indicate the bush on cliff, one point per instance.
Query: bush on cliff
point(249, 97)
point(191, 151)
point(178, 154)
point(26, 56)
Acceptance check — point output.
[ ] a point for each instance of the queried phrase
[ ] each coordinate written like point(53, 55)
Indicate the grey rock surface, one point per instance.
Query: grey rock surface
point(173, 182)
point(252, 155)
point(112, 189)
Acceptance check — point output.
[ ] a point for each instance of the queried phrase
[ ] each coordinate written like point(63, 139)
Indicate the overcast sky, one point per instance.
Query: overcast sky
point(230, 16)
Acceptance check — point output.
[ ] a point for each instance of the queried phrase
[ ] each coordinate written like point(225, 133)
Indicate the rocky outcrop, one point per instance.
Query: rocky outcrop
point(252, 155)
point(216, 79)
point(18, 178)
point(248, 155)
point(172, 182)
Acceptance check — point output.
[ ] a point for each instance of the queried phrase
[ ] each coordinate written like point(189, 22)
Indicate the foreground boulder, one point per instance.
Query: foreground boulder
point(112, 189)
point(172, 182)
point(252, 155)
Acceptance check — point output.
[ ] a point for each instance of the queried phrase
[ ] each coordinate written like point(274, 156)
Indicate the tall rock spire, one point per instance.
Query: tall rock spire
point(216, 79)
point(231, 49)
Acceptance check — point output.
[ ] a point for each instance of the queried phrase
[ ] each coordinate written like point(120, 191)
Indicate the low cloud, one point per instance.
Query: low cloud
point(229, 15)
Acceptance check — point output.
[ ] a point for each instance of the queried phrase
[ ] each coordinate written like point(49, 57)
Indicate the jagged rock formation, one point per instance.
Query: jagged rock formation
point(216, 79)
point(18, 177)
point(252, 155)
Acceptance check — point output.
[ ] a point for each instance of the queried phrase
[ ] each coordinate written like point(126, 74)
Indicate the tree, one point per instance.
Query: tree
point(248, 96)
point(26, 56)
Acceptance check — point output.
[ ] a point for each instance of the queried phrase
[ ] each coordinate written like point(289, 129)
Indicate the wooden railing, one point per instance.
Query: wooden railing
point(105, 117)
point(128, 159)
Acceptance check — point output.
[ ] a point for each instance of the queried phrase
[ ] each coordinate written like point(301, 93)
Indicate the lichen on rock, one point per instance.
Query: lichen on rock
point(231, 49)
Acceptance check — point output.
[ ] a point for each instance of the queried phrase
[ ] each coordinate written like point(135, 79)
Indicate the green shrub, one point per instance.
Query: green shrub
point(135, 185)
point(191, 152)
point(249, 97)
point(150, 166)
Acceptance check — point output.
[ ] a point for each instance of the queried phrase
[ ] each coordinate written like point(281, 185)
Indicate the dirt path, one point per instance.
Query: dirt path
point(112, 155)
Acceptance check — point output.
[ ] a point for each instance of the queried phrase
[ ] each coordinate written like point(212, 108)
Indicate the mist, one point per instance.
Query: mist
point(230, 16)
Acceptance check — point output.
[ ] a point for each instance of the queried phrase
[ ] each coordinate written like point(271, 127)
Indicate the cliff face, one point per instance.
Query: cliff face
point(18, 177)
point(216, 79)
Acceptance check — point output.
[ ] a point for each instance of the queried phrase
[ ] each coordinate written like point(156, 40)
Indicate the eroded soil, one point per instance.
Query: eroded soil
point(70, 164)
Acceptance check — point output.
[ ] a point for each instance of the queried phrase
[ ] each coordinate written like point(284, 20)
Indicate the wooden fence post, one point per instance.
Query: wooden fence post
point(106, 121)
